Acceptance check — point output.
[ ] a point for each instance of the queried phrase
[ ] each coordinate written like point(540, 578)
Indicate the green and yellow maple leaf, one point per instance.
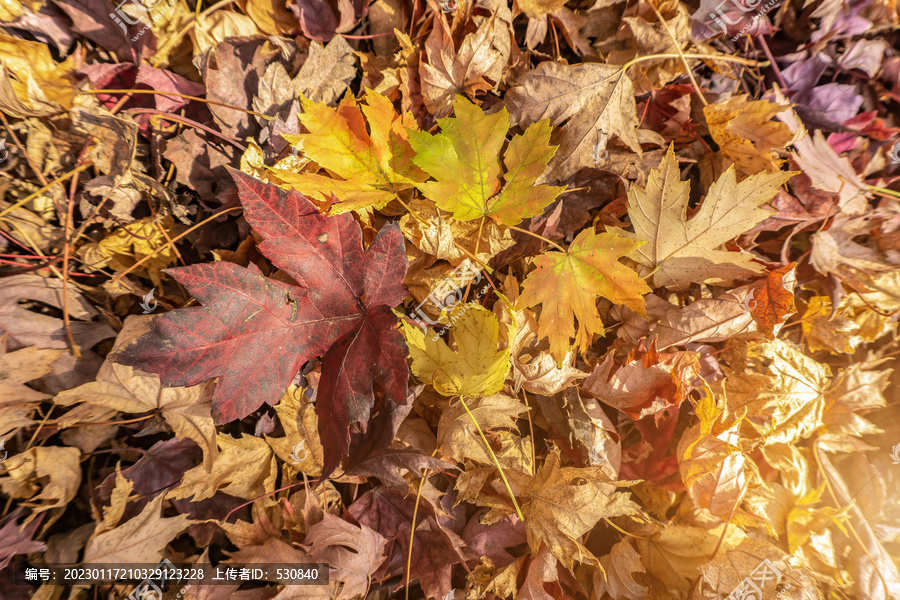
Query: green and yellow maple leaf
point(567, 286)
point(475, 368)
point(365, 169)
point(464, 160)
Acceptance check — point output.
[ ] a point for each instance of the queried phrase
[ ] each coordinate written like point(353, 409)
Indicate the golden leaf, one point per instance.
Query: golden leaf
point(782, 390)
point(564, 503)
point(681, 250)
point(474, 368)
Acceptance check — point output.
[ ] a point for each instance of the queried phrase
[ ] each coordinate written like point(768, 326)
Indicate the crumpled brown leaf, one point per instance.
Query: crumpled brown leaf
point(594, 101)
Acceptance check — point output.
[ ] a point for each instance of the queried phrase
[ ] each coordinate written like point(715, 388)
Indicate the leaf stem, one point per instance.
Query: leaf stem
point(169, 243)
point(884, 191)
point(31, 197)
point(412, 531)
point(173, 94)
point(158, 114)
point(620, 530)
point(540, 237)
point(494, 458)
point(687, 67)
point(720, 57)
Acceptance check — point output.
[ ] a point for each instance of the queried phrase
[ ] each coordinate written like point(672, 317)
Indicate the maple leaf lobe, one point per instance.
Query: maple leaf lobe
point(254, 333)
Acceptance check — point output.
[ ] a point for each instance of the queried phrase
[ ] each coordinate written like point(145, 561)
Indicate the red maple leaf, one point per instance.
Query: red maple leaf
point(255, 333)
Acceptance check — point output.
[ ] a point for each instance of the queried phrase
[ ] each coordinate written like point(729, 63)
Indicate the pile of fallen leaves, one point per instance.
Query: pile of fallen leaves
point(462, 299)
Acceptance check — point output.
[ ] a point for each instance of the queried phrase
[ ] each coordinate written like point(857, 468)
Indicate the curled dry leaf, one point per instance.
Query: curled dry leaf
point(125, 389)
point(710, 461)
point(538, 373)
point(562, 503)
point(594, 101)
point(140, 539)
point(457, 436)
point(616, 573)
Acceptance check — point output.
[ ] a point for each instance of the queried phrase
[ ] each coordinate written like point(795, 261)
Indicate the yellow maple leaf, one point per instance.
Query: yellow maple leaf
point(32, 84)
point(782, 390)
point(363, 169)
point(710, 460)
point(567, 286)
point(747, 134)
point(464, 159)
point(474, 368)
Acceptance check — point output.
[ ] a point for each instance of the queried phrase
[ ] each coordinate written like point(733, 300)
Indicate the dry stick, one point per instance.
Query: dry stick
point(158, 114)
point(687, 67)
point(195, 98)
point(540, 237)
point(287, 487)
point(872, 308)
point(126, 421)
point(31, 197)
point(67, 248)
point(35, 249)
point(366, 37)
point(765, 46)
point(733, 59)
point(169, 243)
point(18, 143)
